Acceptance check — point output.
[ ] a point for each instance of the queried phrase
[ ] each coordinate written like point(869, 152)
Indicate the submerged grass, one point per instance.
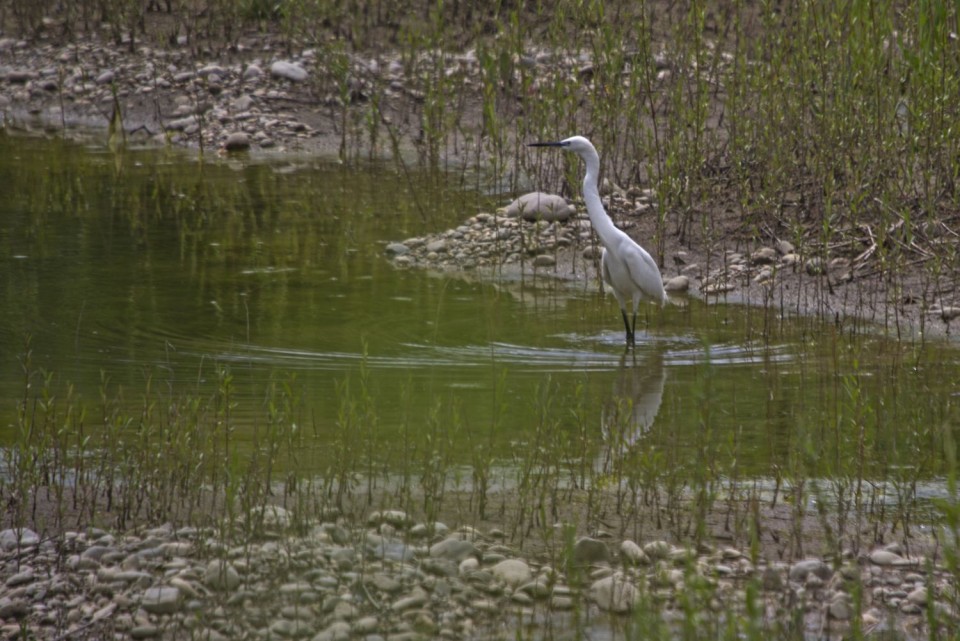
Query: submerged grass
point(184, 456)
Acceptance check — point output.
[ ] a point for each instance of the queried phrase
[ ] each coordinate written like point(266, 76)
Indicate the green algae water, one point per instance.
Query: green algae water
point(146, 280)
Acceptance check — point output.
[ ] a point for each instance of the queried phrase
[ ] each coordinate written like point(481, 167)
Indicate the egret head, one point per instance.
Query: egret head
point(576, 144)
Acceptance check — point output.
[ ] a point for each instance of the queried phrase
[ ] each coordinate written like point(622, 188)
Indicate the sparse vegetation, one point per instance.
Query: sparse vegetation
point(828, 124)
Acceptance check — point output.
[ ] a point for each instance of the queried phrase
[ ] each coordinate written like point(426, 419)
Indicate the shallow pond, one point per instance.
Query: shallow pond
point(145, 279)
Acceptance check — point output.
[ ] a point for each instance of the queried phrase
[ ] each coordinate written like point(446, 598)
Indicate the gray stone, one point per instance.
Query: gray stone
point(415, 599)
point(540, 588)
point(397, 249)
point(288, 70)
point(221, 576)
point(513, 572)
point(20, 76)
point(211, 70)
point(13, 608)
point(800, 570)
point(161, 600)
point(540, 206)
point(237, 141)
point(384, 583)
point(918, 596)
point(181, 124)
point(840, 608)
point(763, 256)
point(336, 631)
point(884, 557)
point(145, 631)
point(291, 628)
point(785, 247)
point(453, 549)
point(657, 549)
point(11, 539)
point(772, 580)
point(614, 593)
point(439, 567)
point(396, 518)
point(106, 77)
point(252, 72)
point(677, 284)
point(587, 552)
point(21, 578)
point(544, 260)
point(242, 103)
point(271, 517)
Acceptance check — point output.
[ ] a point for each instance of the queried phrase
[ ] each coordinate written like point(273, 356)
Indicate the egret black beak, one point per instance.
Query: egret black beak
point(545, 144)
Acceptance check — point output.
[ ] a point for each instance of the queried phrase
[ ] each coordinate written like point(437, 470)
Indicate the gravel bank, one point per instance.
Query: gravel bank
point(393, 578)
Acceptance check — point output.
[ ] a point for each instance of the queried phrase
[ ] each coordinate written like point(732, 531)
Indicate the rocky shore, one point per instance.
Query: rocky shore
point(535, 235)
point(253, 97)
point(396, 579)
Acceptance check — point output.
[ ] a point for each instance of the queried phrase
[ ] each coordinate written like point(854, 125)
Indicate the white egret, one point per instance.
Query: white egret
point(626, 267)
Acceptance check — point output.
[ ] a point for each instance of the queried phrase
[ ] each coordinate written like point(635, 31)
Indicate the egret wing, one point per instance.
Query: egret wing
point(644, 272)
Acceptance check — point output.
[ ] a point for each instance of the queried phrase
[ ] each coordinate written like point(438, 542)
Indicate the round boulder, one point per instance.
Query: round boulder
point(539, 206)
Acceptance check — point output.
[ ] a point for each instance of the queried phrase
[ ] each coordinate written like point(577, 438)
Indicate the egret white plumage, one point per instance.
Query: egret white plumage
point(626, 267)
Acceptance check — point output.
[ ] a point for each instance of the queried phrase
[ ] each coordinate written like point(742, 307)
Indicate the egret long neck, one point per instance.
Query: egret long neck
point(601, 222)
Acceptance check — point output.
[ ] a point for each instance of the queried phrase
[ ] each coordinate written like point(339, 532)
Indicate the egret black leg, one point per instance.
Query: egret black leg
point(626, 325)
point(633, 330)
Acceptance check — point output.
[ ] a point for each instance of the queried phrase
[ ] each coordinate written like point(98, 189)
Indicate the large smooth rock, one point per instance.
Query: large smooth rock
point(632, 553)
point(288, 70)
point(161, 600)
point(10, 539)
point(221, 576)
point(800, 570)
point(237, 141)
point(587, 551)
point(614, 593)
point(513, 572)
point(677, 284)
point(884, 557)
point(540, 206)
point(453, 549)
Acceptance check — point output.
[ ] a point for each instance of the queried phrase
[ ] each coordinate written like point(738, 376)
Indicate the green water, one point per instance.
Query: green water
point(150, 275)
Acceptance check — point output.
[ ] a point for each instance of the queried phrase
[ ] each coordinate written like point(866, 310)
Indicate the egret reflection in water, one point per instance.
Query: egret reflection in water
point(631, 410)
